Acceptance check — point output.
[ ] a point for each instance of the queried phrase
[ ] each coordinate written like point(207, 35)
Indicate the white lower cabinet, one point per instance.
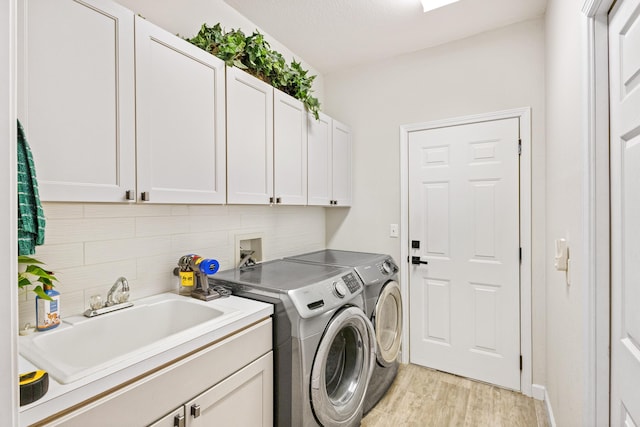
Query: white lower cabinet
point(229, 383)
point(176, 418)
point(243, 399)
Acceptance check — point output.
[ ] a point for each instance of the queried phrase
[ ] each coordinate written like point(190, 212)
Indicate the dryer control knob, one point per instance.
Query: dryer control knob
point(340, 289)
point(387, 268)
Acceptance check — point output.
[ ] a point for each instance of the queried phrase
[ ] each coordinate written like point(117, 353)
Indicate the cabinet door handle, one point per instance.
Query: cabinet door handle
point(129, 195)
point(278, 200)
point(271, 200)
point(178, 420)
point(195, 411)
point(144, 196)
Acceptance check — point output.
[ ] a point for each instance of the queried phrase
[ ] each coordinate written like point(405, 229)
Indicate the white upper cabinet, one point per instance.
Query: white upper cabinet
point(290, 150)
point(319, 165)
point(266, 143)
point(180, 116)
point(341, 169)
point(249, 139)
point(329, 143)
point(76, 97)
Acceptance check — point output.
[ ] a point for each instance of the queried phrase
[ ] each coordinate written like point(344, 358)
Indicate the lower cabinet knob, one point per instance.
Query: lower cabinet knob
point(178, 421)
point(195, 411)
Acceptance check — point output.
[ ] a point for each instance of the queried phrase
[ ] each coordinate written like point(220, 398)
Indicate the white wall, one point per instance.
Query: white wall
point(185, 17)
point(90, 245)
point(566, 356)
point(497, 70)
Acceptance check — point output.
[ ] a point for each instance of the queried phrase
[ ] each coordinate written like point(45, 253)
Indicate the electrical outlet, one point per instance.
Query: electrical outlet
point(393, 230)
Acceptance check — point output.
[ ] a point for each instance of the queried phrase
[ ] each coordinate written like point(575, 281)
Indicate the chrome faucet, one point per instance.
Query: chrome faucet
point(115, 301)
point(124, 295)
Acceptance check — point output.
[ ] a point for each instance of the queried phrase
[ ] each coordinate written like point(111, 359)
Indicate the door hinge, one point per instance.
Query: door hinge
point(521, 362)
point(520, 254)
point(519, 147)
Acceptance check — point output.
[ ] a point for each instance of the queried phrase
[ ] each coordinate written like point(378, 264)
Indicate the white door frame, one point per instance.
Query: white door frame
point(524, 115)
point(596, 250)
point(8, 217)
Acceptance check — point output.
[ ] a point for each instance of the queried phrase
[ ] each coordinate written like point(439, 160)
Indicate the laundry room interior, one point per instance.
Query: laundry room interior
point(364, 266)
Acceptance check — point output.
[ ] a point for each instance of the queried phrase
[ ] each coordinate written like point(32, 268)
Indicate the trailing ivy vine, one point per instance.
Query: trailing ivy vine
point(254, 55)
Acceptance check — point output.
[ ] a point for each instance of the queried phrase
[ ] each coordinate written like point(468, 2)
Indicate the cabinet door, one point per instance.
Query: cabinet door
point(76, 97)
point(290, 149)
point(180, 114)
point(243, 399)
point(249, 139)
point(176, 418)
point(341, 160)
point(319, 163)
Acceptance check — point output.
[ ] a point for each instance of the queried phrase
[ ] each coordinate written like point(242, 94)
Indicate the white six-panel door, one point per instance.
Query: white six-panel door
point(624, 75)
point(464, 212)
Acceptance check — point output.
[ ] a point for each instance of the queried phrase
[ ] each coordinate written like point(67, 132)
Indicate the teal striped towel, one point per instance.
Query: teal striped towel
point(31, 220)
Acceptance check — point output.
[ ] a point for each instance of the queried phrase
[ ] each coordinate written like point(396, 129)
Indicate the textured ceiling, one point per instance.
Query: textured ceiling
point(334, 34)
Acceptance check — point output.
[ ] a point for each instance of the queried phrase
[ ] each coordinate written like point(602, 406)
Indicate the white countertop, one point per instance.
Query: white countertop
point(62, 396)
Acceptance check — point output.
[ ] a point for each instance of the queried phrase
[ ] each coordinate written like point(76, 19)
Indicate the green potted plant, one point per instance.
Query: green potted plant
point(31, 273)
point(254, 55)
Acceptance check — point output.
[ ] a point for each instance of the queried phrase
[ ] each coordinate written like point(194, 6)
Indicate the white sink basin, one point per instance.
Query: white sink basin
point(83, 346)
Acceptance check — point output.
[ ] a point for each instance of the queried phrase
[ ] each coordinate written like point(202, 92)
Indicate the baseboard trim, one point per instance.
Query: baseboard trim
point(539, 392)
point(547, 404)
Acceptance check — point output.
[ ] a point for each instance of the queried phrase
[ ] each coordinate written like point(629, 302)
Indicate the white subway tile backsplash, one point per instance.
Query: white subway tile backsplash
point(115, 250)
point(180, 210)
point(90, 245)
point(95, 275)
point(209, 210)
point(161, 225)
point(108, 210)
point(201, 223)
point(62, 210)
point(196, 242)
point(61, 256)
point(85, 230)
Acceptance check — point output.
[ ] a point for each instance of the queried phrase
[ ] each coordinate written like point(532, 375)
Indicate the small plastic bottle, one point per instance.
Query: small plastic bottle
point(48, 312)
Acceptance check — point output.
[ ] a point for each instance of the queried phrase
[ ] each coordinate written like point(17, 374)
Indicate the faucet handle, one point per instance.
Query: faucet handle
point(95, 302)
point(123, 297)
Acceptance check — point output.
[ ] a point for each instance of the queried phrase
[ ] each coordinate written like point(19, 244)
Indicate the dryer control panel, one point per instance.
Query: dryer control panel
point(326, 295)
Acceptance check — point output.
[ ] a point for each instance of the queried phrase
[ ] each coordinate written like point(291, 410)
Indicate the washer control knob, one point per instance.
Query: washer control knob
point(386, 267)
point(340, 289)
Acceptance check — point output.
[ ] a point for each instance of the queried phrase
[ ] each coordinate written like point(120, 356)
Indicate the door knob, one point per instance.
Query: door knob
point(416, 260)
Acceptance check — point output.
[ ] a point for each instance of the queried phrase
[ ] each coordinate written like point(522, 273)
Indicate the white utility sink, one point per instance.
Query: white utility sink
point(83, 346)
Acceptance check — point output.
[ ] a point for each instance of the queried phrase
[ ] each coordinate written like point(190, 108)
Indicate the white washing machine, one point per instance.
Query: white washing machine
point(383, 305)
point(323, 374)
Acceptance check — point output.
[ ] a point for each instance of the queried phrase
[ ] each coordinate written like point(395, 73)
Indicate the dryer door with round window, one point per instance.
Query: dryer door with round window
point(342, 368)
point(387, 321)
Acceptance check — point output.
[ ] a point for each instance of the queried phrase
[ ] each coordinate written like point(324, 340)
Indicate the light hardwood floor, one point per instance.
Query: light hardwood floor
point(425, 397)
